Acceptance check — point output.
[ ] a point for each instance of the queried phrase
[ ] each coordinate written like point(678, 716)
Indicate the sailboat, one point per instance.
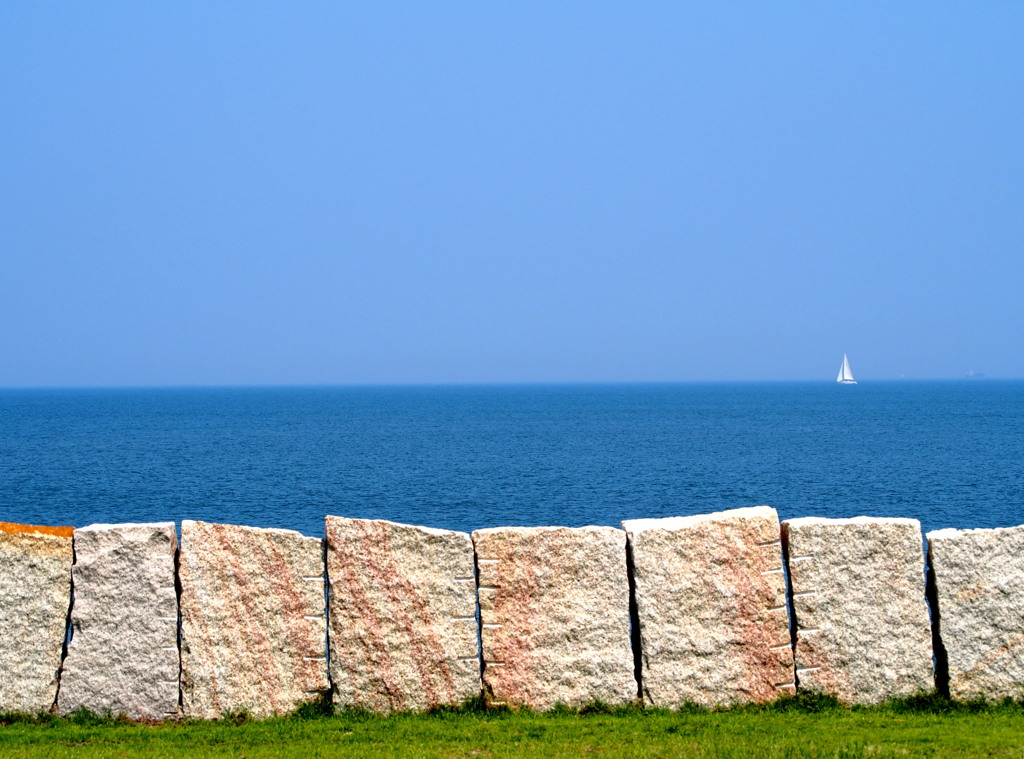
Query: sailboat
point(845, 375)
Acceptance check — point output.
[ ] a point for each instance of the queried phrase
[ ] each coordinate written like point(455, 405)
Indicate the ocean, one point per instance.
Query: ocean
point(950, 454)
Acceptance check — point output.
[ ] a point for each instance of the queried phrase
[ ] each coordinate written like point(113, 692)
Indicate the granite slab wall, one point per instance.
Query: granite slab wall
point(402, 615)
point(862, 628)
point(711, 605)
point(253, 633)
point(123, 655)
point(35, 594)
point(554, 610)
point(553, 616)
point(978, 578)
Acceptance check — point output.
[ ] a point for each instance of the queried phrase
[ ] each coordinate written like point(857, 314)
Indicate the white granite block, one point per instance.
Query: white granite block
point(711, 603)
point(554, 608)
point(123, 656)
point(253, 634)
point(979, 584)
point(35, 593)
point(403, 615)
point(862, 628)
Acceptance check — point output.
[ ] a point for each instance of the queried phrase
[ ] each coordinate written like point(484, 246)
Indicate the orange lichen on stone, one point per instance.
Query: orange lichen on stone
point(35, 592)
point(34, 529)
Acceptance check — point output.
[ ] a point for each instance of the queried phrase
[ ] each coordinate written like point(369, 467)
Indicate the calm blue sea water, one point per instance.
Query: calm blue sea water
point(949, 454)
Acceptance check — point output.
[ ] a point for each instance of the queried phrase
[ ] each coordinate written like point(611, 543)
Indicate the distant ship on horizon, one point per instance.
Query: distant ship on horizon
point(845, 374)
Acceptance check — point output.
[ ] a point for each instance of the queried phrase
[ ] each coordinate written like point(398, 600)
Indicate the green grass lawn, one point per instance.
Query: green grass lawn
point(791, 728)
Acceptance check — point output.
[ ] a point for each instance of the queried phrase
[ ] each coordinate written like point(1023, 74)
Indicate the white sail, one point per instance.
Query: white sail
point(845, 374)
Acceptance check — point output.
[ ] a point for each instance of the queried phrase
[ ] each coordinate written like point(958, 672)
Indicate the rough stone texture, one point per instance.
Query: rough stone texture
point(554, 608)
point(403, 615)
point(252, 620)
point(862, 627)
point(35, 593)
point(979, 587)
point(711, 604)
point(123, 656)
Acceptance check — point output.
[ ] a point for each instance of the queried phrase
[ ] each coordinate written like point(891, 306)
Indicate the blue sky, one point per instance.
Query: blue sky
point(292, 193)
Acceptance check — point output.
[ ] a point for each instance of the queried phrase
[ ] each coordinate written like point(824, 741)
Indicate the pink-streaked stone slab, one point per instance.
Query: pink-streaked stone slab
point(862, 628)
point(979, 589)
point(35, 593)
point(711, 603)
point(123, 655)
point(403, 615)
point(554, 608)
point(252, 620)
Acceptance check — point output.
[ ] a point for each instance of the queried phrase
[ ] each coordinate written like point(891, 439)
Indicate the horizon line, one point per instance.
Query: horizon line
point(497, 383)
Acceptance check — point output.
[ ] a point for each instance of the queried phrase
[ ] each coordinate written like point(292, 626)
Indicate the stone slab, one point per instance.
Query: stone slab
point(403, 615)
point(862, 628)
point(711, 604)
point(35, 593)
point(554, 608)
point(253, 634)
point(978, 579)
point(123, 655)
